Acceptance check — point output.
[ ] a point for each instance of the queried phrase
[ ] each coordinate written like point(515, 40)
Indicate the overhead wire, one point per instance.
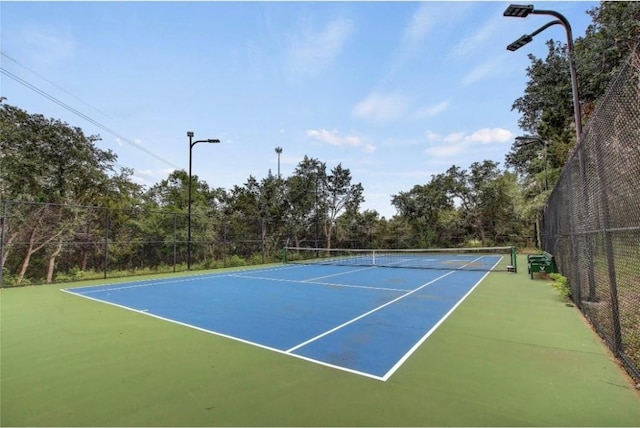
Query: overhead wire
point(55, 85)
point(85, 117)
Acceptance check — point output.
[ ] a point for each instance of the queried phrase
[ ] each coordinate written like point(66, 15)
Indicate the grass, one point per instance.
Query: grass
point(513, 354)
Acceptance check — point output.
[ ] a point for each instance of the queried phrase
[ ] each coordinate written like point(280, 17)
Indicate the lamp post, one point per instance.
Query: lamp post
point(316, 209)
point(191, 144)
point(522, 11)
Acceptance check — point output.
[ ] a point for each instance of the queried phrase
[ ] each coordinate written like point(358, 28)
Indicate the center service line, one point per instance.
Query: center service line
point(313, 339)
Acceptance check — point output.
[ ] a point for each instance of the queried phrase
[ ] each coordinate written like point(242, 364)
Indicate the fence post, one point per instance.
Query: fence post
point(608, 244)
point(263, 236)
point(572, 231)
point(587, 237)
point(2, 239)
point(175, 241)
point(106, 242)
point(224, 244)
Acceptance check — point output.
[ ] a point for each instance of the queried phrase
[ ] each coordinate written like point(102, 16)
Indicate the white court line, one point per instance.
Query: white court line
point(153, 282)
point(338, 274)
point(289, 352)
point(215, 333)
point(313, 339)
point(406, 356)
point(333, 284)
point(321, 335)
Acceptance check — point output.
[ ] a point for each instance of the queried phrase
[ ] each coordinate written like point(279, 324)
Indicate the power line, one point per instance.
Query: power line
point(56, 85)
point(84, 116)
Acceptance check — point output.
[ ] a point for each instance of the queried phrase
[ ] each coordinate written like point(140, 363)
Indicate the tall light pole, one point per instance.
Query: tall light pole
point(522, 11)
point(316, 204)
point(191, 144)
point(278, 151)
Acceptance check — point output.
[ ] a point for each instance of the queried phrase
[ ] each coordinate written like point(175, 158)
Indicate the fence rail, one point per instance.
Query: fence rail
point(591, 221)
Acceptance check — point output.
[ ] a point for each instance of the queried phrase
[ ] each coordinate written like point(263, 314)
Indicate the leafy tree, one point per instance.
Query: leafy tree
point(339, 196)
point(46, 160)
point(548, 98)
point(608, 41)
point(302, 198)
point(423, 206)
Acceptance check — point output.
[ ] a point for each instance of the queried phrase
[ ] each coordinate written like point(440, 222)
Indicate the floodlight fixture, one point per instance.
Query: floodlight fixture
point(518, 10)
point(529, 37)
point(522, 11)
point(520, 42)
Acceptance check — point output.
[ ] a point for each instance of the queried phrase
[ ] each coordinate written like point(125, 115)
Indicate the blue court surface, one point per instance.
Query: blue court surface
point(364, 320)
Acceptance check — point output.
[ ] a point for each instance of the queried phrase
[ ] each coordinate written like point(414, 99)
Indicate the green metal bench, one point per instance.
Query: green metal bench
point(543, 262)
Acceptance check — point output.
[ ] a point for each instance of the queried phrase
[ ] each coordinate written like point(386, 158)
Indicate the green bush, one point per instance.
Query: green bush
point(255, 259)
point(473, 243)
point(561, 283)
point(235, 261)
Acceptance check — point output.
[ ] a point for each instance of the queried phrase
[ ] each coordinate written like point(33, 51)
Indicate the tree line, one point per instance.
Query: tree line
point(51, 172)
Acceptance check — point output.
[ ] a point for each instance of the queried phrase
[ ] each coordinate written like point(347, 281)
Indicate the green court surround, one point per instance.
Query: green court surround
point(513, 354)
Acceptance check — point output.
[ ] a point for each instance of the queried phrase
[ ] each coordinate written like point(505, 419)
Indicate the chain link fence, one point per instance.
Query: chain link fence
point(45, 243)
point(48, 243)
point(591, 221)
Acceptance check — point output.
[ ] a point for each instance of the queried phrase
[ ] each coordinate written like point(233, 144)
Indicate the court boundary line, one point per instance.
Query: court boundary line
point(160, 281)
point(226, 336)
point(419, 343)
point(289, 352)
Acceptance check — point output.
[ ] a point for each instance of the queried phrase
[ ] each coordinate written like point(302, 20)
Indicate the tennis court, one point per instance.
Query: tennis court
point(346, 311)
point(512, 354)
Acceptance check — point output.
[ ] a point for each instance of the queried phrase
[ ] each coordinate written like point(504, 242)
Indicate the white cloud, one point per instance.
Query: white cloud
point(380, 108)
point(446, 150)
point(368, 148)
point(454, 137)
point(431, 136)
point(459, 142)
point(474, 42)
point(334, 138)
point(490, 135)
point(150, 176)
point(486, 69)
point(421, 23)
point(433, 110)
point(311, 52)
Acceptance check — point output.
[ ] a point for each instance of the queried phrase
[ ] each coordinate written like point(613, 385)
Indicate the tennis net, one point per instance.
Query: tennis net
point(481, 259)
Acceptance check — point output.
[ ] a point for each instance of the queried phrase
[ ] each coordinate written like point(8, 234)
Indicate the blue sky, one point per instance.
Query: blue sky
point(395, 91)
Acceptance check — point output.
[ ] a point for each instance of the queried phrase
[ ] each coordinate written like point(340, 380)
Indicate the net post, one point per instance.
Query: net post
point(514, 259)
point(284, 255)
